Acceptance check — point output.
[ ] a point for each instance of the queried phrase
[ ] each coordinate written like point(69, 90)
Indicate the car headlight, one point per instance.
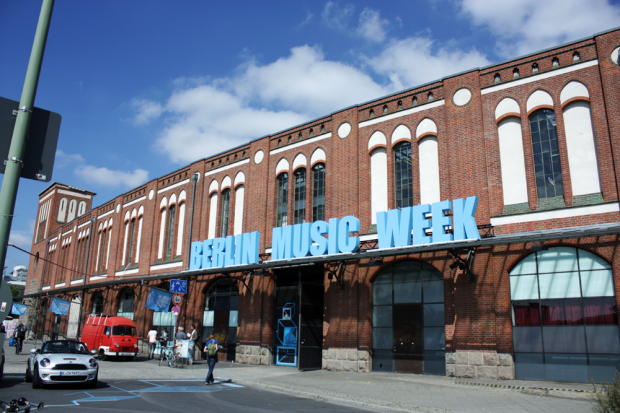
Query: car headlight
point(116, 345)
point(45, 362)
point(135, 345)
point(93, 363)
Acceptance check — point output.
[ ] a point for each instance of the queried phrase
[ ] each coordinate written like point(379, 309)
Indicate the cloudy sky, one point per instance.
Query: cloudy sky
point(145, 87)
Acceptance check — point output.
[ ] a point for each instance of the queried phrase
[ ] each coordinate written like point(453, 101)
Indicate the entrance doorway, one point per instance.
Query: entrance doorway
point(220, 317)
point(408, 334)
point(299, 317)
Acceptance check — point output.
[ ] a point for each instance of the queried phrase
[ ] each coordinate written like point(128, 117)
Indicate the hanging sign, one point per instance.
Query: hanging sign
point(176, 310)
point(19, 309)
point(60, 307)
point(177, 299)
point(178, 286)
point(158, 300)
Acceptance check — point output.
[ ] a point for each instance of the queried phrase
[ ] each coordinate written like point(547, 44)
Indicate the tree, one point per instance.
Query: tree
point(15, 291)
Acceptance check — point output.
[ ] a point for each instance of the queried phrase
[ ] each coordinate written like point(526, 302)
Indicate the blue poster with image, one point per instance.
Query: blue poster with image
point(60, 306)
point(158, 300)
point(19, 309)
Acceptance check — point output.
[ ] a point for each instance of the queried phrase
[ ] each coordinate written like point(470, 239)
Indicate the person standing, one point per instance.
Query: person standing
point(211, 348)
point(152, 335)
point(163, 338)
point(180, 335)
point(20, 335)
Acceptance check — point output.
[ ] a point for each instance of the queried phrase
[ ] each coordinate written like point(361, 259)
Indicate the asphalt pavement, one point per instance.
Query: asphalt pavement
point(134, 385)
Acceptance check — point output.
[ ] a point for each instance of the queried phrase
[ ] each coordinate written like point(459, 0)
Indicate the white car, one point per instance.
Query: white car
point(62, 361)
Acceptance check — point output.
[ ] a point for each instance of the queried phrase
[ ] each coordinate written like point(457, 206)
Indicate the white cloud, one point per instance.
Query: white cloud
point(307, 20)
point(21, 239)
point(525, 26)
point(100, 176)
point(413, 61)
point(147, 110)
point(337, 17)
point(371, 26)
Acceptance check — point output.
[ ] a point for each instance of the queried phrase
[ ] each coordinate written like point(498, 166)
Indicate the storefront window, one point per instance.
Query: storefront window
point(125, 306)
point(221, 315)
point(564, 317)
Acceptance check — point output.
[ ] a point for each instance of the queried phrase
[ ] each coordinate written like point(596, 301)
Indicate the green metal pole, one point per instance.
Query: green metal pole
point(13, 170)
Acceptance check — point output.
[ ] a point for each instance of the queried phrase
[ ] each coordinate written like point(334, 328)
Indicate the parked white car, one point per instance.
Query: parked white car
point(62, 361)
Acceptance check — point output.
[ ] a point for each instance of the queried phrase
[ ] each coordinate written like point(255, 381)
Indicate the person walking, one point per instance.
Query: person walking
point(152, 335)
point(211, 348)
point(163, 338)
point(20, 335)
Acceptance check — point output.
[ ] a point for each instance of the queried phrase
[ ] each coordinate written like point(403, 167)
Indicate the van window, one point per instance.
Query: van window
point(124, 331)
point(107, 331)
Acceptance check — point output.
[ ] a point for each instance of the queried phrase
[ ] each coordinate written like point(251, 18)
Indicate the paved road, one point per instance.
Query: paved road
point(372, 391)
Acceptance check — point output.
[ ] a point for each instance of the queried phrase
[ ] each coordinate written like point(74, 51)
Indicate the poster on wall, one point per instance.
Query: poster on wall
point(60, 306)
point(19, 309)
point(158, 300)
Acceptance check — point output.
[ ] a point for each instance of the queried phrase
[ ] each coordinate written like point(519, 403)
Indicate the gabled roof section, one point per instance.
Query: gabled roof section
point(65, 186)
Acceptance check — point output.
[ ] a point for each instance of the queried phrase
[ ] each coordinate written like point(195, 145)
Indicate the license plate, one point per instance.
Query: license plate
point(70, 373)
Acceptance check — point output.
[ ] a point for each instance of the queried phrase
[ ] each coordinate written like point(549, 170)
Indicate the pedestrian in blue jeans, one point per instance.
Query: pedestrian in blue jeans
point(211, 348)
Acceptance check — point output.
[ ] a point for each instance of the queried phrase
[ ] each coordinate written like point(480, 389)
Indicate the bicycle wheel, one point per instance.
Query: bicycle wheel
point(162, 356)
point(177, 361)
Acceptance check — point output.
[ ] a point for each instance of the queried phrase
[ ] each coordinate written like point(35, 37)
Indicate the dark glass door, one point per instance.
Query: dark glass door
point(220, 326)
point(311, 325)
point(408, 338)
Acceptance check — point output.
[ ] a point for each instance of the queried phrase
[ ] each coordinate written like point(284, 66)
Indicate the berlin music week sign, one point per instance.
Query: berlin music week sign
point(395, 228)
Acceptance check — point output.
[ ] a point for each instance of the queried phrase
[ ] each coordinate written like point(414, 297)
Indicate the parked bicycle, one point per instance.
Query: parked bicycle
point(19, 405)
point(19, 343)
point(171, 356)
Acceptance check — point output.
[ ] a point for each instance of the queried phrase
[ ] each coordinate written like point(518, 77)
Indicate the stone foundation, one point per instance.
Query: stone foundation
point(253, 355)
point(347, 359)
point(480, 365)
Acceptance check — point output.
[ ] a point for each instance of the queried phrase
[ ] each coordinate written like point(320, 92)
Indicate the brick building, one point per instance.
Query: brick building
point(533, 297)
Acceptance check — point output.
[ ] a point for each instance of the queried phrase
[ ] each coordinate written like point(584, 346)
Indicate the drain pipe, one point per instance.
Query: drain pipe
point(90, 237)
point(195, 178)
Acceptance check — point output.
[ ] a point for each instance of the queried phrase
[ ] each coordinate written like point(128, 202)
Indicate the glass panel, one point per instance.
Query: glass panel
point(529, 366)
point(430, 273)
point(527, 339)
point(566, 367)
point(232, 336)
point(232, 319)
point(563, 339)
point(561, 312)
point(434, 315)
point(525, 313)
point(234, 302)
point(407, 293)
point(206, 332)
point(222, 303)
point(383, 361)
point(433, 291)
point(408, 271)
point(157, 318)
point(600, 310)
point(603, 339)
point(383, 278)
point(299, 204)
point(589, 261)
point(435, 363)
point(603, 368)
point(403, 175)
point(559, 285)
point(382, 316)
point(207, 318)
point(434, 338)
point(557, 259)
point(382, 338)
point(526, 266)
point(318, 193)
point(382, 293)
point(597, 283)
point(523, 287)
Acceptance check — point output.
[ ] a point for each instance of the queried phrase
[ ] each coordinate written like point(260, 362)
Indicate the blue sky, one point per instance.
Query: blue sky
point(145, 87)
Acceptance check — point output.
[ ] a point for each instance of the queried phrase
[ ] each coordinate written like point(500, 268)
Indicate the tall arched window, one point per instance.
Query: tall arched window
point(318, 192)
point(62, 210)
point(72, 210)
point(299, 205)
point(102, 247)
point(282, 200)
point(546, 151)
point(403, 178)
point(220, 314)
point(170, 230)
point(81, 208)
point(225, 212)
point(97, 303)
point(125, 304)
point(564, 317)
point(130, 234)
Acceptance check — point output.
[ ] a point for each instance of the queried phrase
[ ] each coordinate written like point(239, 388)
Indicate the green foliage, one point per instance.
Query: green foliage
point(608, 397)
point(15, 291)
point(220, 337)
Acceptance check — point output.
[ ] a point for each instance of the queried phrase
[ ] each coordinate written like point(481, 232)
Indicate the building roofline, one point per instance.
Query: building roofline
point(68, 186)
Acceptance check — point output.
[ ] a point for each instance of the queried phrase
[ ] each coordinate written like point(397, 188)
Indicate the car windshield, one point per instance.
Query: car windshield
point(64, 346)
point(124, 331)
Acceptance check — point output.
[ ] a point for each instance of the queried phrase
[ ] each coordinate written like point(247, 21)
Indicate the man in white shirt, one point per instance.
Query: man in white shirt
point(152, 335)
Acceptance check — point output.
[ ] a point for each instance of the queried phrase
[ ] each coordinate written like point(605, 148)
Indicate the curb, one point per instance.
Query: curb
point(336, 400)
point(508, 386)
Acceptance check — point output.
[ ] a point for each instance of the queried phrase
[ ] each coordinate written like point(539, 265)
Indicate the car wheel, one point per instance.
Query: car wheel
point(28, 374)
point(102, 355)
point(36, 380)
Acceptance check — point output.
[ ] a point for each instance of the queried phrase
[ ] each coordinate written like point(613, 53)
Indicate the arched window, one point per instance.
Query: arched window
point(282, 200)
point(311, 133)
point(220, 314)
point(515, 73)
point(372, 114)
point(430, 96)
point(62, 210)
point(555, 62)
point(408, 323)
point(378, 176)
point(72, 210)
point(125, 304)
point(547, 165)
point(385, 109)
point(497, 78)
point(400, 105)
point(131, 234)
point(97, 303)
point(535, 68)
point(102, 247)
point(564, 317)
point(415, 100)
point(225, 212)
point(576, 57)
point(170, 230)
point(299, 205)
point(403, 175)
point(81, 208)
point(318, 192)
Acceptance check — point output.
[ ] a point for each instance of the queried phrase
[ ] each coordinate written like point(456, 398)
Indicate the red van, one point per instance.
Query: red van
point(111, 336)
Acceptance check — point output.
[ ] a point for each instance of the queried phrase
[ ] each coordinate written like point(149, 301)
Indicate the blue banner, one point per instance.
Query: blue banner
point(158, 300)
point(19, 309)
point(60, 306)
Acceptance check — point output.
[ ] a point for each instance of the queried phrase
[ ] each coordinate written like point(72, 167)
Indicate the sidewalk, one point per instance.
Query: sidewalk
point(374, 391)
